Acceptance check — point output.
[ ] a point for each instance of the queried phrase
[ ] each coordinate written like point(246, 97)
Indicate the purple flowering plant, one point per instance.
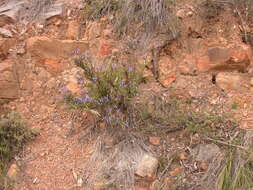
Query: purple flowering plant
point(108, 91)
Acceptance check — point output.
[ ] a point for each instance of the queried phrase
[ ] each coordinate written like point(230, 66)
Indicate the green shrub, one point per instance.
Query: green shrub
point(13, 135)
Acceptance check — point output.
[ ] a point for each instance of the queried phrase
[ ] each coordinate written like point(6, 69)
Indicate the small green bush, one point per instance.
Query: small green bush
point(13, 136)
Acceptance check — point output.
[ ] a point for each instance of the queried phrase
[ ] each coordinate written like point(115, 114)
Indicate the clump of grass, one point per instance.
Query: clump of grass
point(236, 174)
point(95, 9)
point(14, 134)
point(159, 115)
point(235, 105)
point(135, 16)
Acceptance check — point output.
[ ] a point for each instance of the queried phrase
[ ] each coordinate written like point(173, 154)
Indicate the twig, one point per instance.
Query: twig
point(164, 171)
point(225, 143)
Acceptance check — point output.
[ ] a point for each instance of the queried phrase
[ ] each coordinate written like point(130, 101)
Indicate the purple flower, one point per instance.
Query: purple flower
point(83, 92)
point(84, 99)
point(109, 110)
point(130, 69)
point(80, 81)
point(114, 65)
point(122, 83)
point(76, 52)
point(94, 79)
point(64, 90)
point(103, 100)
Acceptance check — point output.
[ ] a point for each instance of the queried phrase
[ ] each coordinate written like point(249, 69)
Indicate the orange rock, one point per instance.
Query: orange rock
point(13, 171)
point(183, 156)
point(155, 140)
point(168, 80)
point(203, 166)
point(167, 71)
point(176, 172)
point(105, 48)
point(53, 66)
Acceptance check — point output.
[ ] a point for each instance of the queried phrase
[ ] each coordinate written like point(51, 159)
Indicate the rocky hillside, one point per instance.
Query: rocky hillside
point(184, 124)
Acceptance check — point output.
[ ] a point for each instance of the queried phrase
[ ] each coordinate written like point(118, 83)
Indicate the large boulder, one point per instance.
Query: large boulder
point(236, 58)
point(9, 86)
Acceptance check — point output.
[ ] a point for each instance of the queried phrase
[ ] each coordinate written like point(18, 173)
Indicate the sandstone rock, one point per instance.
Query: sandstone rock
point(230, 81)
point(73, 30)
point(48, 52)
point(5, 46)
point(205, 152)
point(147, 166)
point(9, 87)
point(167, 71)
point(225, 59)
point(46, 48)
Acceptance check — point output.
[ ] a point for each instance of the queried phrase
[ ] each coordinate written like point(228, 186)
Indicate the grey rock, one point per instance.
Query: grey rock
point(205, 152)
point(6, 33)
point(11, 10)
point(55, 10)
point(147, 166)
